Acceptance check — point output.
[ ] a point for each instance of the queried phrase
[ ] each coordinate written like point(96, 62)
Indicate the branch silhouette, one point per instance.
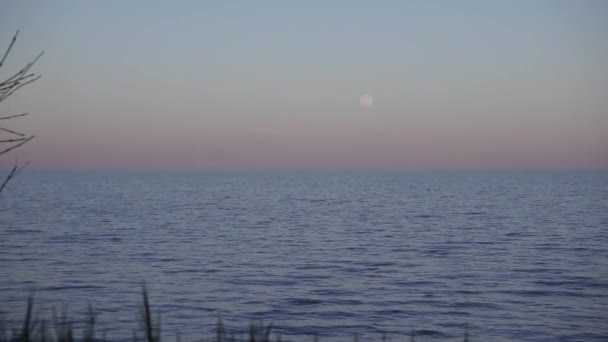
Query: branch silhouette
point(7, 88)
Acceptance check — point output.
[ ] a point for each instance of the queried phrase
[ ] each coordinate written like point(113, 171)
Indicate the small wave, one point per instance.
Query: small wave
point(538, 270)
point(466, 292)
point(19, 259)
point(558, 283)
point(430, 333)
point(353, 270)
point(182, 307)
point(72, 287)
point(584, 337)
point(422, 302)
point(304, 301)
point(316, 267)
point(436, 252)
point(546, 293)
point(515, 234)
point(392, 312)
point(265, 282)
point(475, 305)
point(311, 276)
point(166, 259)
point(22, 231)
point(454, 313)
point(485, 243)
point(332, 292)
point(345, 301)
point(424, 216)
point(356, 248)
point(191, 270)
point(378, 263)
point(414, 283)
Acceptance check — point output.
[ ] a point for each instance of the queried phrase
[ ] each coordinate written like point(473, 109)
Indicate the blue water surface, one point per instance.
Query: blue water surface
point(516, 256)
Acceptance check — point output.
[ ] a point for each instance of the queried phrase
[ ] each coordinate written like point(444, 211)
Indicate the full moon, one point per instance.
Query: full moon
point(366, 100)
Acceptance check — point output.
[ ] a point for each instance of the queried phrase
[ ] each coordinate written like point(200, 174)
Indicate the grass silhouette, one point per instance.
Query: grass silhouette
point(35, 329)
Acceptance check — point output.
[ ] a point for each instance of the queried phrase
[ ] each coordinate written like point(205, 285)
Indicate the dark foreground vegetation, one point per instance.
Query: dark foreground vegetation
point(36, 329)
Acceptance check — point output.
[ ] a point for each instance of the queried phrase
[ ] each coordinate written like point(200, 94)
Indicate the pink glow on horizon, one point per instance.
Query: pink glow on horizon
point(363, 142)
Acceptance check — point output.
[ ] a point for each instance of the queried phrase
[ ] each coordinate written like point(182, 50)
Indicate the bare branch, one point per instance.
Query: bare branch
point(14, 171)
point(11, 140)
point(7, 88)
point(11, 174)
point(24, 70)
point(12, 132)
point(4, 96)
point(13, 116)
point(16, 145)
point(10, 46)
point(11, 83)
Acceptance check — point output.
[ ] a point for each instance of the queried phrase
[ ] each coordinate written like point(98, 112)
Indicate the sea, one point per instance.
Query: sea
point(496, 255)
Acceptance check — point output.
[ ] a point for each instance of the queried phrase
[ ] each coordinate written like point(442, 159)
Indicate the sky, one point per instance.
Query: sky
point(311, 84)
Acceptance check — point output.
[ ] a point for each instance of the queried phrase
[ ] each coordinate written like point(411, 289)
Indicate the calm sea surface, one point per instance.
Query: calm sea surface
point(516, 256)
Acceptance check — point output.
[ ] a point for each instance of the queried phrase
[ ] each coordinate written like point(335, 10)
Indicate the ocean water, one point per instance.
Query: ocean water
point(516, 256)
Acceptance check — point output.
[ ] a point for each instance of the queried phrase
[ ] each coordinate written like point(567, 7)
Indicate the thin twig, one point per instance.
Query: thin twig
point(10, 46)
point(11, 140)
point(11, 131)
point(14, 172)
point(5, 85)
point(3, 97)
point(25, 69)
point(7, 88)
point(13, 116)
point(16, 145)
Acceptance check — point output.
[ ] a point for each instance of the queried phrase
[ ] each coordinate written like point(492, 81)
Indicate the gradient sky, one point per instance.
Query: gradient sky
point(276, 84)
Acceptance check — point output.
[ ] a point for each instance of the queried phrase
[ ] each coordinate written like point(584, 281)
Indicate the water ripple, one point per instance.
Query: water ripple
point(513, 256)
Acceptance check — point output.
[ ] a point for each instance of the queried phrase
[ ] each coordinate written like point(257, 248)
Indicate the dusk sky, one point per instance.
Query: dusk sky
point(311, 84)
